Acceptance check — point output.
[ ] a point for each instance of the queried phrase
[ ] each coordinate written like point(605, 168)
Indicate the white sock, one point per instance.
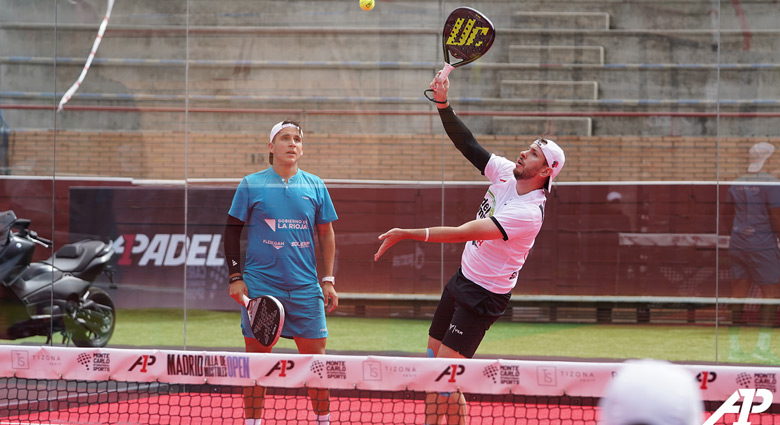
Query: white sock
point(253, 421)
point(323, 420)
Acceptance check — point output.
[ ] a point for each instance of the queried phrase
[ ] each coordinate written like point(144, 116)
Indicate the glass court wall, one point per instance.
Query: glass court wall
point(667, 112)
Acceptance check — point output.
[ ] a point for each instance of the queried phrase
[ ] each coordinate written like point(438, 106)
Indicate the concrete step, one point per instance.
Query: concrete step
point(634, 81)
point(356, 43)
point(662, 84)
point(321, 13)
point(557, 54)
point(528, 89)
point(283, 44)
point(560, 20)
point(533, 126)
point(653, 46)
point(233, 80)
point(638, 14)
point(253, 119)
point(665, 14)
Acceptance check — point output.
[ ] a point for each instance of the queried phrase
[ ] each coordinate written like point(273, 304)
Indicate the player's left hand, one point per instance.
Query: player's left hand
point(440, 88)
point(331, 297)
point(389, 238)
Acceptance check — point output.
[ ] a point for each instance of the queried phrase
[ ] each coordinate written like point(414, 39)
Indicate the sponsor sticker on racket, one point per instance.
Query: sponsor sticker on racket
point(467, 36)
point(266, 318)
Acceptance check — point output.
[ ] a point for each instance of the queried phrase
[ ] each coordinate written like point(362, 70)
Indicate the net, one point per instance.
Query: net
point(60, 385)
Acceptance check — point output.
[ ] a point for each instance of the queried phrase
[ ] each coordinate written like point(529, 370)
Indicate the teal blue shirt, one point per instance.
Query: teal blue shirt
point(281, 218)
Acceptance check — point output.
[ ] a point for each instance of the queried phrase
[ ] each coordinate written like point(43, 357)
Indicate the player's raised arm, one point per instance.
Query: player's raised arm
point(457, 131)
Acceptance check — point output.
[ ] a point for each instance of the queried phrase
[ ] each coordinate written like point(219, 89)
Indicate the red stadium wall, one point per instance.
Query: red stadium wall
point(46, 202)
point(586, 246)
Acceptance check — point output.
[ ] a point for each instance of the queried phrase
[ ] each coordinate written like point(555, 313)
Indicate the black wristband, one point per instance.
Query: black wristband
point(235, 278)
point(432, 99)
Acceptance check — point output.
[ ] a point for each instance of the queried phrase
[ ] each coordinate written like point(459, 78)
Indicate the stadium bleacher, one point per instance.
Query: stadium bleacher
point(549, 57)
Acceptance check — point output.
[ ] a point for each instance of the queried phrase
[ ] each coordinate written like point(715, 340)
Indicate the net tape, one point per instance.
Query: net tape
point(79, 385)
point(379, 373)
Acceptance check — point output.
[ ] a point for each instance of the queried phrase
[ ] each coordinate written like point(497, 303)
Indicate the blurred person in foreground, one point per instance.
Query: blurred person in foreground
point(652, 392)
point(282, 207)
point(754, 251)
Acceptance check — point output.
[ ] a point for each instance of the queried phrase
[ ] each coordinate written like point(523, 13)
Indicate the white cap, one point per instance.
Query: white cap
point(554, 156)
point(280, 126)
point(758, 154)
point(614, 196)
point(652, 392)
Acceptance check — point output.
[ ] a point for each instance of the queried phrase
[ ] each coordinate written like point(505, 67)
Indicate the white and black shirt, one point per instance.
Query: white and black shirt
point(494, 264)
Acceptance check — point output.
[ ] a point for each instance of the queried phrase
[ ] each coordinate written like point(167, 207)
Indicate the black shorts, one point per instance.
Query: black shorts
point(465, 312)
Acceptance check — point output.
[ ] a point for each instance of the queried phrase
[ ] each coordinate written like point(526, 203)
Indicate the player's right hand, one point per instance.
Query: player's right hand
point(237, 290)
point(390, 238)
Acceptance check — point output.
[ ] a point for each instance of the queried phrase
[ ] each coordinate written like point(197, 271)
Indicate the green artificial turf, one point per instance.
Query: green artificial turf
point(164, 328)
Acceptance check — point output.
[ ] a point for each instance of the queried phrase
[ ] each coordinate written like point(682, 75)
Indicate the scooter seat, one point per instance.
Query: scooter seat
point(70, 251)
point(77, 256)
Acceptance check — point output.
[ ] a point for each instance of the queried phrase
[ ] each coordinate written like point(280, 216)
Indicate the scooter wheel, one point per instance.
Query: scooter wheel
point(94, 320)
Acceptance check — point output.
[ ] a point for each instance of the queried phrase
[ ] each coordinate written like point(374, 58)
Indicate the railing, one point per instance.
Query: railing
point(381, 112)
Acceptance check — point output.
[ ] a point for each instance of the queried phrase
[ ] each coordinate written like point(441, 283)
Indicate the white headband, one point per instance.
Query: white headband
point(280, 126)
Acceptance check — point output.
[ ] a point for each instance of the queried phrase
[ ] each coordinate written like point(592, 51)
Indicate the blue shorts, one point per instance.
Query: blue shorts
point(304, 311)
point(760, 267)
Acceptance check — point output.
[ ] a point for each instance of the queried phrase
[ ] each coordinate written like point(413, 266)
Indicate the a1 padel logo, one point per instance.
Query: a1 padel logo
point(143, 362)
point(452, 371)
point(747, 395)
point(282, 366)
point(165, 249)
point(706, 377)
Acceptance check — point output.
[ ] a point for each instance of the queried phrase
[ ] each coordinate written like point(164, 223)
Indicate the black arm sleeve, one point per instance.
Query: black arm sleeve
point(463, 139)
point(232, 244)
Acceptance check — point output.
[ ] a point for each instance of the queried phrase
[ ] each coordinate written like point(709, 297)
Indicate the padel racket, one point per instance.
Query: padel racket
point(467, 36)
point(266, 317)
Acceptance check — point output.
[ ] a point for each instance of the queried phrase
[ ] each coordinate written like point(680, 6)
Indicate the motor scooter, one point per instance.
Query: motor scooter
point(55, 295)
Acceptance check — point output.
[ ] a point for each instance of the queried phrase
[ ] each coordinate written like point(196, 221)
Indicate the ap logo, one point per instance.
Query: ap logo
point(747, 395)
